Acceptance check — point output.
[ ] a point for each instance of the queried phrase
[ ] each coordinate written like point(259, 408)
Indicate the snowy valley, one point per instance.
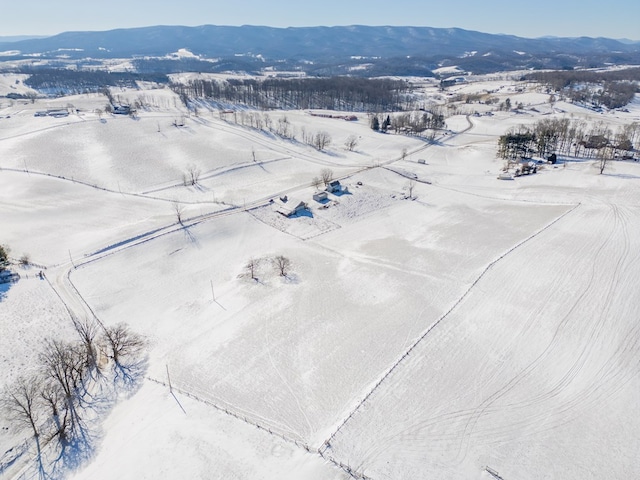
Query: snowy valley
point(431, 320)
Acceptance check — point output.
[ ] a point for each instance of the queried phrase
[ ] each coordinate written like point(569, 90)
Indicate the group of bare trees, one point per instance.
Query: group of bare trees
point(331, 93)
point(569, 137)
point(281, 263)
point(411, 123)
point(320, 140)
point(612, 89)
point(54, 401)
point(191, 176)
point(325, 177)
point(281, 127)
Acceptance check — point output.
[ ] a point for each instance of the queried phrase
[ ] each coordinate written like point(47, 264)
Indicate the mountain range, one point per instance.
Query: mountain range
point(322, 50)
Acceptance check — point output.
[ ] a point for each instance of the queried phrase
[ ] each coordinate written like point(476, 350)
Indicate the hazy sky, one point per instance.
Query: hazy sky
point(532, 18)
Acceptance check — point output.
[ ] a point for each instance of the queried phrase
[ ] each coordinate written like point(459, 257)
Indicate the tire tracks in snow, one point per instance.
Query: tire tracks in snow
point(581, 358)
point(395, 365)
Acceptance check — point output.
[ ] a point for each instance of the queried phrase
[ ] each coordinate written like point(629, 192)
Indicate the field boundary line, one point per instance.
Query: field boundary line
point(327, 443)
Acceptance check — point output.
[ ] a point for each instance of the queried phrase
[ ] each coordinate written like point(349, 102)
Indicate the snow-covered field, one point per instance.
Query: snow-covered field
point(482, 325)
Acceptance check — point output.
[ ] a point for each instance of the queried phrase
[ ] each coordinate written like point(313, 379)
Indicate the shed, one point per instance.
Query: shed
point(320, 196)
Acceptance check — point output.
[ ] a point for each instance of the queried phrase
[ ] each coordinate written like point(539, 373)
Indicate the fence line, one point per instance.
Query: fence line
point(327, 442)
point(353, 473)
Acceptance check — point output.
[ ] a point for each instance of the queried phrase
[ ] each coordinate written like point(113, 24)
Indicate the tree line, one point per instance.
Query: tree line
point(412, 123)
point(280, 126)
point(83, 81)
point(335, 93)
point(611, 89)
point(569, 137)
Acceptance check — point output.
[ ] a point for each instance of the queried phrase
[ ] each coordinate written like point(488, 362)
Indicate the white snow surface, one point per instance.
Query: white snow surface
point(482, 325)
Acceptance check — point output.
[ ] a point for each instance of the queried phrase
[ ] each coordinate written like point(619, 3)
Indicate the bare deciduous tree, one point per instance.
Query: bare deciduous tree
point(251, 267)
point(604, 156)
point(122, 344)
point(191, 176)
point(351, 142)
point(321, 140)
point(21, 402)
point(51, 395)
point(326, 175)
point(25, 260)
point(88, 331)
point(316, 182)
point(283, 264)
point(64, 367)
point(178, 210)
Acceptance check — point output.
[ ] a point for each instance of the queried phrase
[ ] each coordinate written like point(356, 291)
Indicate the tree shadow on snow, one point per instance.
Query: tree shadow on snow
point(128, 376)
point(619, 175)
point(4, 288)
point(190, 236)
point(71, 453)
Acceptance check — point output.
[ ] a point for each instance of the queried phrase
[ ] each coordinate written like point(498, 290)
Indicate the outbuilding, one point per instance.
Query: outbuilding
point(320, 196)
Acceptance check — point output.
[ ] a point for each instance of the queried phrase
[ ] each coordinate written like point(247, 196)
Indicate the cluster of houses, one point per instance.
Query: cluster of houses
point(290, 207)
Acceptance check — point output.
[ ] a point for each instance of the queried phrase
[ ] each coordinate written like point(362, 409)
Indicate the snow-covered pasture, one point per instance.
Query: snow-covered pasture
point(534, 374)
point(483, 323)
point(296, 352)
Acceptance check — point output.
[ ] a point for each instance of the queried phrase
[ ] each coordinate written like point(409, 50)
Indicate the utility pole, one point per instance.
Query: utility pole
point(212, 293)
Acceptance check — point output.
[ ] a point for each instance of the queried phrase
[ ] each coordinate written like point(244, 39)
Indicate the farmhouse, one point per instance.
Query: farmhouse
point(289, 206)
point(334, 186)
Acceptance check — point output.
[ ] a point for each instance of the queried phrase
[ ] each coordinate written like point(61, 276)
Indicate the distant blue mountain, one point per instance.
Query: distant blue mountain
point(19, 38)
point(334, 48)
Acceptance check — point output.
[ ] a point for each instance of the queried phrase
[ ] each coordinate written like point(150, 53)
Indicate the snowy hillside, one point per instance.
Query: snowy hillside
point(433, 321)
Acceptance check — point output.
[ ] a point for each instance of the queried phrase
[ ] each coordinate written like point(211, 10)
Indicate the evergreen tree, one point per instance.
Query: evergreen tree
point(4, 258)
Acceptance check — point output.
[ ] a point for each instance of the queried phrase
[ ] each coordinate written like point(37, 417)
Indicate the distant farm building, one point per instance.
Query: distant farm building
point(334, 186)
point(122, 109)
point(348, 118)
point(53, 113)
